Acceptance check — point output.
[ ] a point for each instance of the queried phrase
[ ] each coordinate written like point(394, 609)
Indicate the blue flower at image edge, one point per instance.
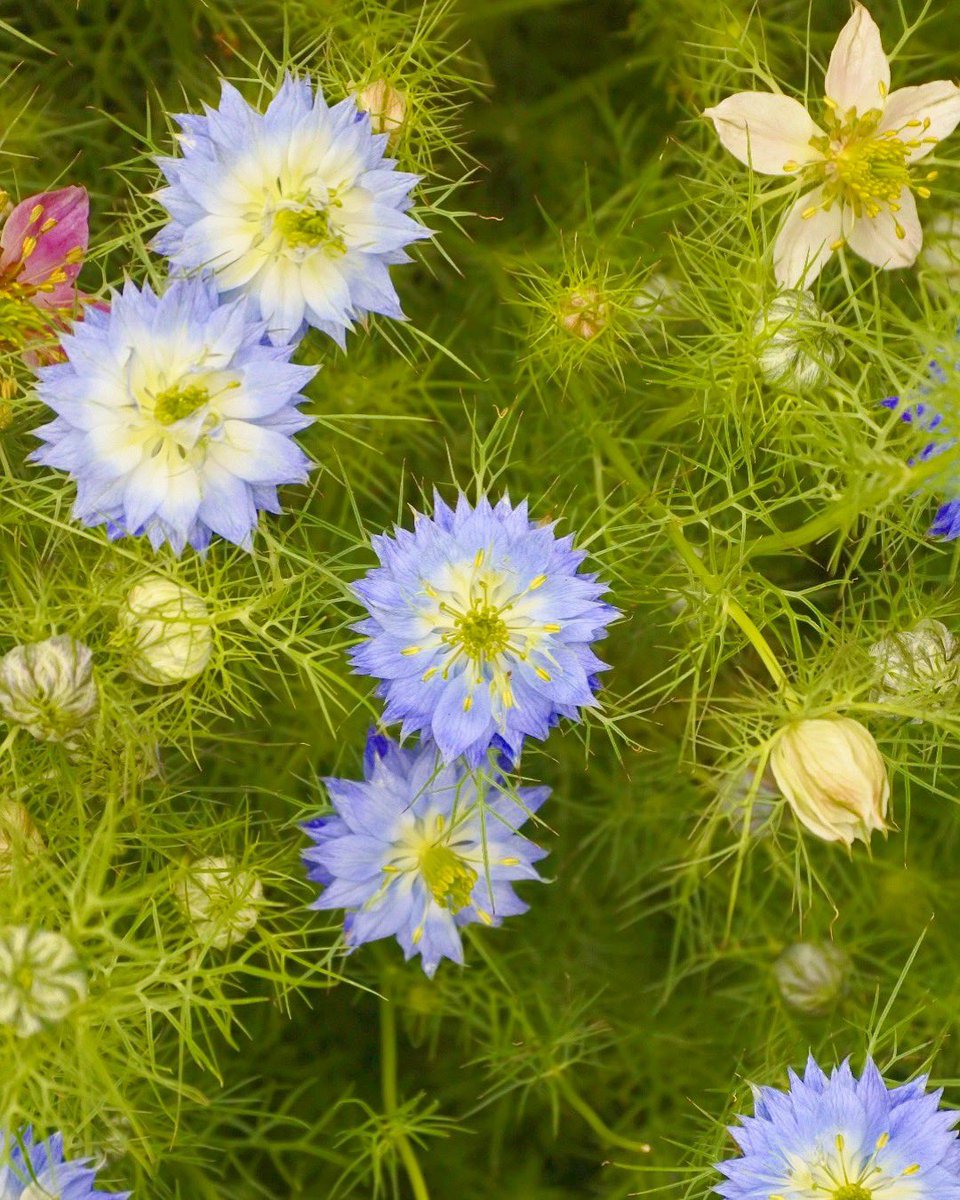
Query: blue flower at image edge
point(296, 207)
point(840, 1137)
point(480, 628)
point(174, 416)
point(35, 1170)
point(417, 850)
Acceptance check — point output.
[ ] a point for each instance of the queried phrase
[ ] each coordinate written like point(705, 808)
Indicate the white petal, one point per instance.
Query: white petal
point(876, 239)
point(766, 131)
point(937, 103)
point(804, 244)
point(858, 75)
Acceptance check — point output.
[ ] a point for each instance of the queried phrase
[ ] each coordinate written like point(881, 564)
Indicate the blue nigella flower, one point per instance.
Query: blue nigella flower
point(296, 207)
point(174, 416)
point(926, 417)
point(480, 628)
point(838, 1137)
point(33, 1170)
point(417, 850)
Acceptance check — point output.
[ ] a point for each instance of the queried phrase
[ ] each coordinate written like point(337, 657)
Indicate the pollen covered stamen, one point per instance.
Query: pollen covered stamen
point(481, 632)
point(176, 403)
point(449, 878)
point(852, 1191)
point(308, 228)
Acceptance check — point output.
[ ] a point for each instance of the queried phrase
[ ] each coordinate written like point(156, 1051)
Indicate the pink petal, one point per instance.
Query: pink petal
point(58, 225)
point(805, 243)
point(767, 131)
point(910, 109)
point(859, 74)
point(876, 240)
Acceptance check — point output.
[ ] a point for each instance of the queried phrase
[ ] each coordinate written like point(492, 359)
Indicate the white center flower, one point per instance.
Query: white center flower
point(221, 899)
point(858, 170)
point(40, 979)
point(844, 1170)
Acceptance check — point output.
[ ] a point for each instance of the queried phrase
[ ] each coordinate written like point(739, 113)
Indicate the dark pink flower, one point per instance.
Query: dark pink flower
point(42, 245)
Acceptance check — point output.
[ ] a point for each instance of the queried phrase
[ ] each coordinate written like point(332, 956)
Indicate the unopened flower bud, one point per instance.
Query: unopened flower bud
point(19, 837)
point(833, 776)
point(797, 343)
point(738, 791)
point(584, 314)
point(48, 688)
point(386, 105)
point(655, 299)
point(170, 627)
point(922, 659)
point(221, 899)
point(812, 976)
point(941, 247)
point(40, 979)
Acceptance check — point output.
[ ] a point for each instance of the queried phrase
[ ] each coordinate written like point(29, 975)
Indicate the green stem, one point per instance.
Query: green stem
point(710, 582)
point(388, 1079)
point(596, 1123)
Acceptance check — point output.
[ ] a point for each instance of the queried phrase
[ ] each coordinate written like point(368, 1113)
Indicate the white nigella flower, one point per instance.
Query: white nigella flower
point(169, 625)
point(857, 171)
point(221, 899)
point(40, 979)
point(48, 688)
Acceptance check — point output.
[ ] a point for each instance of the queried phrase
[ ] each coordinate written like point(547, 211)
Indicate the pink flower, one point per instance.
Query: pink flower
point(857, 172)
point(42, 245)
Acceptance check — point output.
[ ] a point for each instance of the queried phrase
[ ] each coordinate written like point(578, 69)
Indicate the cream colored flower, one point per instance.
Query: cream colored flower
point(221, 900)
point(48, 688)
point(40, 979)
point(386, 105)
point(858, 172)
point(833, 776)
point(923, 659)
point(170, 627)
point(797, 343)
point(812, 976)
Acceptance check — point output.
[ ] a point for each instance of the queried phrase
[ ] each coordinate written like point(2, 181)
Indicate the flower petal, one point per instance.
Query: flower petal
point(766, 131)
point(859, 74)
point(805, 242)
point(910, 109)
point(876, 238)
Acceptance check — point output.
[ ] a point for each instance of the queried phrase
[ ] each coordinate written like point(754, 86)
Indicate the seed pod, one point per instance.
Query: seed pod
point(48, 688)
point(834, 778)
point(221, 900)
point(584, 314)
point(812, 976)
point(922, 659)
point(797, 343)
point(171, 632)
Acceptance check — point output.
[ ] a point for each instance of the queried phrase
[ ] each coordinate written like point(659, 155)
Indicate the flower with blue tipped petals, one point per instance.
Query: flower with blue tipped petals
point(296, 207)
point(174, 416)
point(480, 628)
point(840, 1137)
point(32, 1170)
point(418, 849)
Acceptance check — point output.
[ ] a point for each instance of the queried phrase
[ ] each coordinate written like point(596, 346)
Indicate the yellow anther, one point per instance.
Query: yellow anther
point(538, 582)
point(467, 703)
point(882, 1140)
point(837, 245)
point(551, 628)
point(48, 224)
point(912, 1169)
point(810, 212)
point(36, 213)
point(542, 674)
point(428, 674)
point(29, 245)
point(484, 917)
point(410, 650)
point(74, 255)
point(509, 862)
point(790, 165)
point(478, 558)
point(417, 935)
point(839, 1141)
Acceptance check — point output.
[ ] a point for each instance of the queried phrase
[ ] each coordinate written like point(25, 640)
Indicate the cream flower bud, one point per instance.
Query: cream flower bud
point(922, 659)
point(386, 105)
point(40, 979)
point(19, 837)
point(812, 976)
point(941, 247)
point(655, 299)
point(221, 900)
point(584, 314)
point(48, 688)
point(833, 776)
point(796, 342)
point(170, 628)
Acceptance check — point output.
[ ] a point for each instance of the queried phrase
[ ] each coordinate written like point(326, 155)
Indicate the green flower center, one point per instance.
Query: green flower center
point(23, 978)
point(481, 632)
point(852, 1191)
point(176, 403)
point(872, 173)
point(307, 227)
point(448, 877)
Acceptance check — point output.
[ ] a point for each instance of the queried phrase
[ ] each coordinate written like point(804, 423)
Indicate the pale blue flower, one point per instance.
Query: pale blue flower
point(839, 1137)
point(174, 416)
point(480, 628)
point(32, 1170)
point(296, 207)
point(417, 850)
